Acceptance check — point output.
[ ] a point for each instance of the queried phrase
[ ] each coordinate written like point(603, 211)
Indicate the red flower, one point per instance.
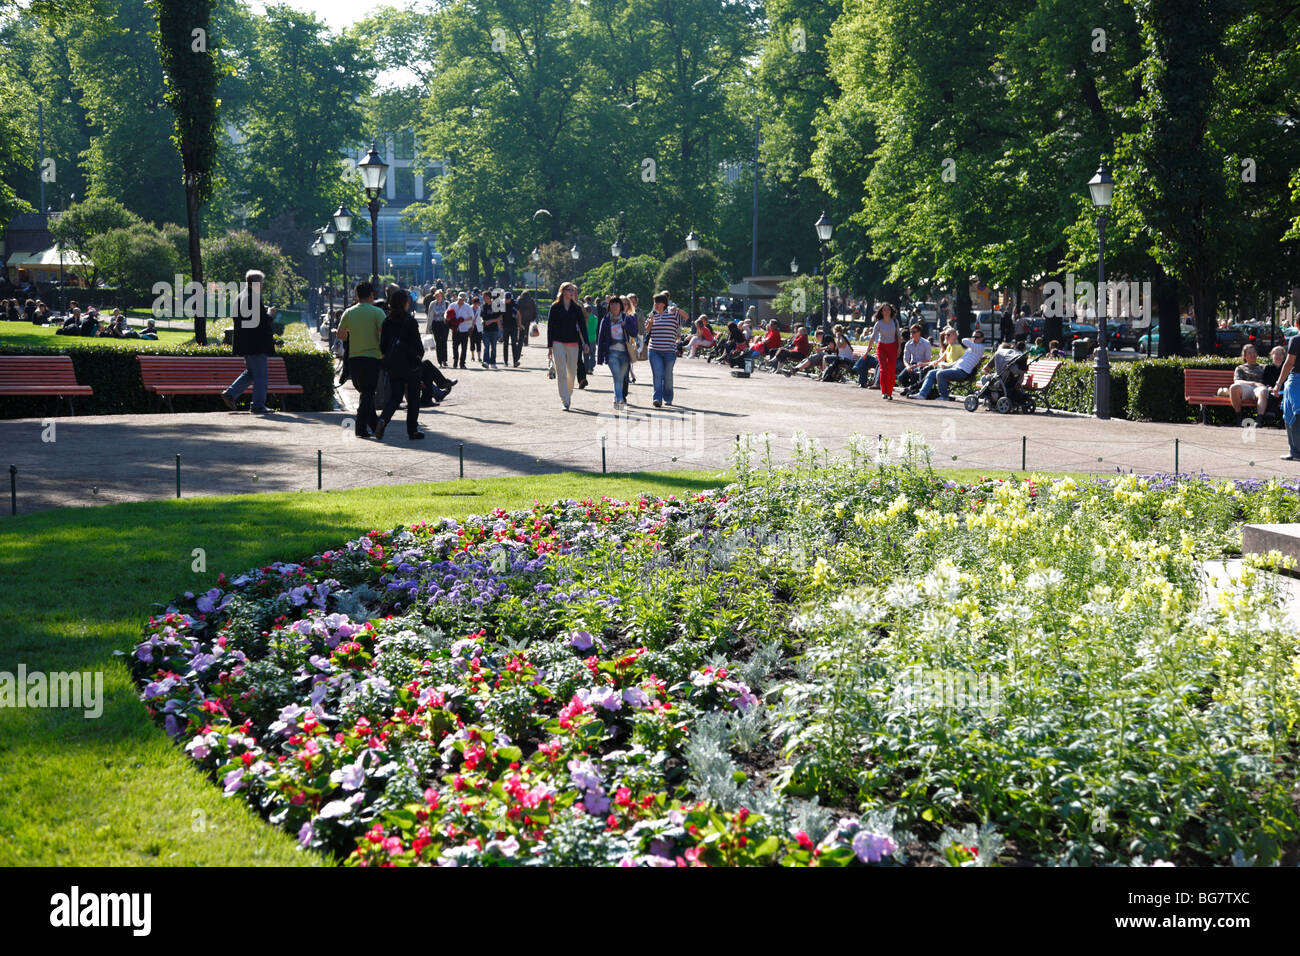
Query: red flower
point(805, 842)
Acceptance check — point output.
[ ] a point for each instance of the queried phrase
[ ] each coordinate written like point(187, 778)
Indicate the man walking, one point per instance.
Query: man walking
point(254, 340)
point(360, 328)
point(511, 334)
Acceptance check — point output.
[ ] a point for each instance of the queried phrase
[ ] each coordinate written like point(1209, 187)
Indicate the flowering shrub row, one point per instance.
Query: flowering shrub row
point(748, 676)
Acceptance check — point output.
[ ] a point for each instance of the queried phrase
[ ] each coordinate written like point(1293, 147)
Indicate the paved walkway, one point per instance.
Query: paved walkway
point(510, 423)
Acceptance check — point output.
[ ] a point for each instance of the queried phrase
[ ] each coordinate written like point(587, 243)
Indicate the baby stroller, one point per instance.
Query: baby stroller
point(1001, 389)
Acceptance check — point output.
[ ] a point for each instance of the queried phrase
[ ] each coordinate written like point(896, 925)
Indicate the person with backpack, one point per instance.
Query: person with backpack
point(399, 341)
point(359, 331)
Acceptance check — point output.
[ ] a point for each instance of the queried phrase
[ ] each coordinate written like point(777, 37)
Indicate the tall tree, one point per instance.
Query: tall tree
point(190, 68)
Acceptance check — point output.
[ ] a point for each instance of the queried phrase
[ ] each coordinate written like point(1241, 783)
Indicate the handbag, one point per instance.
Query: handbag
point(534, 330)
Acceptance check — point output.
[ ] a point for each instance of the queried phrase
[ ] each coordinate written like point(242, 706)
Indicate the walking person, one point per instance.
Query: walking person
point(399, 341)
point(885, 334)
point(566, 330)
point(663, 326)
point(254, 340)
point(616, 340)
point(1288, 386)
point(527, 311)
point(491, 320)
point(511, 340)
point(631, 303)
point(464, 318)
point(359, 330)
point(436, 324)
point(476, 330)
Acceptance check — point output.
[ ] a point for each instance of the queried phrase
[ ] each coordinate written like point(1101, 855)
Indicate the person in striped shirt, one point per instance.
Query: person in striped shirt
point(664, 326)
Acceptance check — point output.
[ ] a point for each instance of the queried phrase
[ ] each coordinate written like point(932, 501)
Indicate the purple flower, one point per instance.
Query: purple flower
point(233, 780)
point(872, 847)
point(352, 776)
point(198, 747)
point(636, 697)
point(208, 603)
point(596, 801)
point(305, 834)
point(584, 774)
point(606, 698)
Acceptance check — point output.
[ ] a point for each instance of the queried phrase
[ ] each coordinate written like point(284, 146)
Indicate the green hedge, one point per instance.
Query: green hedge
point(114, 374)
point(1148, 390)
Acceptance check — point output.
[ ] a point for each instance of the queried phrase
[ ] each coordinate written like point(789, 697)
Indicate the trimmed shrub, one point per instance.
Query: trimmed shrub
point(114, 374)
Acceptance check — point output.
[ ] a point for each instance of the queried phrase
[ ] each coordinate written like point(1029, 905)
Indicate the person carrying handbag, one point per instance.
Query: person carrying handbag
point(616, 343)
point(399, 340)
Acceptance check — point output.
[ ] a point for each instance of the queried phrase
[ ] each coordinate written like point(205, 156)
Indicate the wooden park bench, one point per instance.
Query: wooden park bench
point(1039, 376)
point(167, 376)
point(1201, 387)
point(41, 375)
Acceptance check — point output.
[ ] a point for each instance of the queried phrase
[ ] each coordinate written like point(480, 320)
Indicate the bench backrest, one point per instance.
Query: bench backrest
point(1040, 373)
point(34, 370)
point(203, 370)
point(1206, 381)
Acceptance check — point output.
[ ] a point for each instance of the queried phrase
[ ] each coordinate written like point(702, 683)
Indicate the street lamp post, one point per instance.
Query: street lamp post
point(794, 267)
point(824, 227)
point(510, 273)
point(536, 258)
point(329, 236)
point(692, 246)
point(374, 174)
point(575, 255)
point(343, 223)
point(616, 250)
point(315, 258)
point(1102, 188)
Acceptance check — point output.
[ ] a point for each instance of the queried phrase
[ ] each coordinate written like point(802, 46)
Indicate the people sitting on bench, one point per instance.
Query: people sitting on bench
point(917, 355)
point(1252, 378)
point(941, 377)
point(817, 360)
point(798, 349)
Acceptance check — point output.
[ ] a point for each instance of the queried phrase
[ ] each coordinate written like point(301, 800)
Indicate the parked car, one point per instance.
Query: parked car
point(1121, 334)
point(1188, 334)
point(1229, 341)
point(1262, 335)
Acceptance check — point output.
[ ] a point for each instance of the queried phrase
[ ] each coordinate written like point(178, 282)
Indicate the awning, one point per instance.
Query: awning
point(752, 290)
point(46, 258)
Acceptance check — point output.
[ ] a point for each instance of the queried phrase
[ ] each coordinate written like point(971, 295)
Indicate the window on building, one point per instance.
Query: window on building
point(404, 145)
point(404, 182)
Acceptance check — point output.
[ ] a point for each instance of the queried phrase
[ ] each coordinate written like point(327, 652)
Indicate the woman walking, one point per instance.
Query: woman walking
point(566, 338)
point(399, 340)
point(885, 334)
point(663, 326)
point(436, 324)
point(616, 341)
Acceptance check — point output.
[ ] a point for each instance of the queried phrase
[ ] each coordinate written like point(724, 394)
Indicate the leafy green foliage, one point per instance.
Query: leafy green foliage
point(675, 275)
point(134, 258)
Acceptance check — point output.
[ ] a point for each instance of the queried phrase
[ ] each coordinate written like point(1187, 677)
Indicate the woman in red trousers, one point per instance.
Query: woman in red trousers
point(886, 336)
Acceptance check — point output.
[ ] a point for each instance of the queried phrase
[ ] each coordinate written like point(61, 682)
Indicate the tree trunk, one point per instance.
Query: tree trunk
point(1165, 292)
point(471, 260)
point(962, 312)
point(196, 255)
point(1203, 310)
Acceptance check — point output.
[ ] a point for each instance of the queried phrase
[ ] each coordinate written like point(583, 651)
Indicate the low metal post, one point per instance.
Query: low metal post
point(1024, 441)
point(178, 476)
point(462, 459)
point(602, 454)
point(13, 489)
point(1175, 456)
point(318, 469)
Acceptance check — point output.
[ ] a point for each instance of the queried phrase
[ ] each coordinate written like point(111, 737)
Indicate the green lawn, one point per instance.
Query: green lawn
point(26, 334)
point(78, 584)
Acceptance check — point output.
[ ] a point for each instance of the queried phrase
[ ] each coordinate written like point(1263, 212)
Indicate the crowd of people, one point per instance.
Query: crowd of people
point(89, 323)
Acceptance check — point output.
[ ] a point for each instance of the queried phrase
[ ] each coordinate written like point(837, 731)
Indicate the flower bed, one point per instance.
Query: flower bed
point(842, 662)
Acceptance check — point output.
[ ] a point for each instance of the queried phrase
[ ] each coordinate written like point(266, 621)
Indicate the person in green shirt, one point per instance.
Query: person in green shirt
point(593, 328)
point(359, 330)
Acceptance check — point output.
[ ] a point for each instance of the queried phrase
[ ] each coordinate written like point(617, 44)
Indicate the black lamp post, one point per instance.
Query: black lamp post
point(374, 174)
point(794, 267)
point(536, 258)
point(824, 227)
point(328, 236)
point(343, 224)
point(510, 273)
point(575, 254)
point(616, 250)
point(315, 258)
point(692, 246)
point(1102, 188)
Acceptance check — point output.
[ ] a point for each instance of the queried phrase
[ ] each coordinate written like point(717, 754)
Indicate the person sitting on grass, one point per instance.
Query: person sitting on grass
point(150, 331)
point(1251, 378)
point(798, 349)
